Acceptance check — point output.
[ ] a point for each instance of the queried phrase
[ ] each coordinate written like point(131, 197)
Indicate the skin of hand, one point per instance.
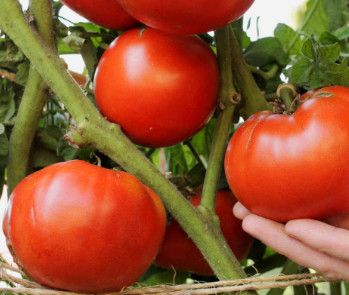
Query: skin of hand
point(310, 243)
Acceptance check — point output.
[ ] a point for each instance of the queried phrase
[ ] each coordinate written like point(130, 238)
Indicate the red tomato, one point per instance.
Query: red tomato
point(160, 88)
point(179, 252)
point(106, 13)
point(186, 17)
point(288, 167)
point(79, 227)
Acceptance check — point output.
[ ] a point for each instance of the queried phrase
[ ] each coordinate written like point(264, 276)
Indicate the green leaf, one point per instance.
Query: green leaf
point(89, 55)
point(328, 38)
point(286, 35)
point(335, 10)
point(318, 20)
point(266, 51)
point(74, 41)
point(7, 101)
point(319, 65)
point(176, 160)
point(342, 33)
point(308, 49)
point(329, 53)
point(42, 157)
point(157, 276)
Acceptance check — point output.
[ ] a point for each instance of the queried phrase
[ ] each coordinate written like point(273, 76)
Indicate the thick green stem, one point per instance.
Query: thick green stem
point(92, 128)
point(228, 101)
point(32, 103)
point(254, 100)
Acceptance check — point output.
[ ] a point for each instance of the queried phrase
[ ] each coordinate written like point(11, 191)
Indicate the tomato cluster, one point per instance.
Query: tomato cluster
point(79, 227)
point(160, 88)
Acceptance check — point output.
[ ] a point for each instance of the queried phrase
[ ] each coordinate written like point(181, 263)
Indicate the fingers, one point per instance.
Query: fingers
point(325, 238)
point(274, 235)
point(240, 211)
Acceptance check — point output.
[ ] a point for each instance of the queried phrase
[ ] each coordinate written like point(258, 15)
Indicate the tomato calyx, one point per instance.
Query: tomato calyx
point(287, 99)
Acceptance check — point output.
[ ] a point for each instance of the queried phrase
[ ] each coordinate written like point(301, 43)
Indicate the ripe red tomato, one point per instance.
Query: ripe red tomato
point(106, 13)
point(79, 227)
point(186, 17)
point(288, 167)
point(179, 252)
point(160, 88)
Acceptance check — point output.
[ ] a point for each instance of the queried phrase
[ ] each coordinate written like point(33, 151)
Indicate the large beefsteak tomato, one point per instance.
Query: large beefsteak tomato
point(106, 13)
point(79, 227)
point(287, 167)
point(160, 88)
point(186, 17)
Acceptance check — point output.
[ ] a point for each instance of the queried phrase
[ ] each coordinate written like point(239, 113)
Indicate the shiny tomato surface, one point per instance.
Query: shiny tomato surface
point(286, 167)
point(186, 17)
point(79, 227)
point(161, 89)
point(106, 13)
point(179, 252)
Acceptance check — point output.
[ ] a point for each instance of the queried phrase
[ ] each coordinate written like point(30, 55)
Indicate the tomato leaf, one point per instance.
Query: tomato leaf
point(319, 65)
point(266, 51)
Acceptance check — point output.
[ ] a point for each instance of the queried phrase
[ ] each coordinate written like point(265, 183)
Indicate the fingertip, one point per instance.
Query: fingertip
point(240, 211)
point(250, 223)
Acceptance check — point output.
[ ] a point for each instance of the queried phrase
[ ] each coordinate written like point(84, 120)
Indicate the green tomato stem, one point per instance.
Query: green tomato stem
point(287, 93)
point(32, 103)
point(253, 98)
point(228, 101)
point(92, 128)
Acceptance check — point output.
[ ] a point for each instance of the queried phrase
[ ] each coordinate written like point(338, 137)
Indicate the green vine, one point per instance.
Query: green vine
point(253, 98)
point(32, 103)
point(228, 101)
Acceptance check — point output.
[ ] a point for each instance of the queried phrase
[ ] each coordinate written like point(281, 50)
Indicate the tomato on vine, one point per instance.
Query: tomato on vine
point(180, 253)
point(186, 17)
point(160, 88)
point(106, 13)
point(288, 167)
point(78, 227)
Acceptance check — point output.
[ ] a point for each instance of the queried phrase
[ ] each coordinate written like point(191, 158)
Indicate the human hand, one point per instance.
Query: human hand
point(310, 243)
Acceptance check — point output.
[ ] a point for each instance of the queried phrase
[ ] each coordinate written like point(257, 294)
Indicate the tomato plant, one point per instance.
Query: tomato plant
point(107, 13)
point(179, 252)
point(186, 17)
point(287, 167)
point(161, 89)
point(69, 231)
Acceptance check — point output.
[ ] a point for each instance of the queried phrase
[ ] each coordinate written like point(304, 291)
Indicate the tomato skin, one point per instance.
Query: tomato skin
point(106, 13)
point(186, 17)
point(161, 89)
point(79, 227)
point(289, 167)
point(179, 252)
